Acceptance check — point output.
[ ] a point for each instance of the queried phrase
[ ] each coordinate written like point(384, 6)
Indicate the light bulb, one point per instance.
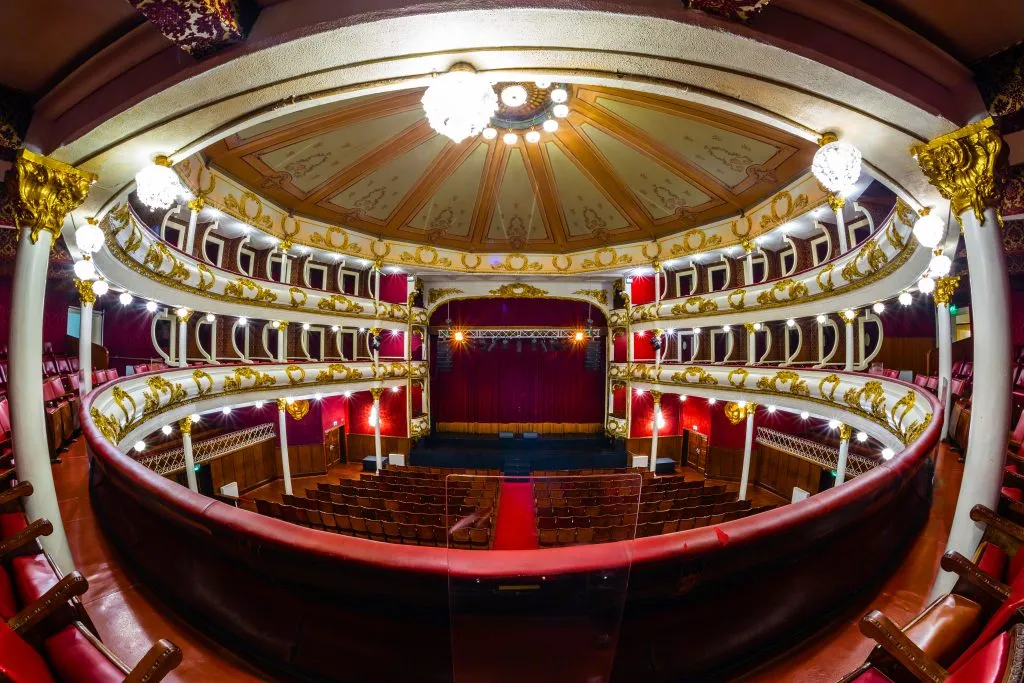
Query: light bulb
point(85, 270)
point(243, 320)
point(771, 409)
point(334, 328)
point(836, 165)
point(196, 417)
point(878, 307)
point(833, 424)
point(790, 323)
point(317, 396)
point(514, 96)
point(510, 138)
point(670, 331)
point(757, 327)
point(533, 136)
point(726, 328)
point(560, 110)
point(226, 410)
point(125, 298)
point(821, 319)
point(100, 287)
point(696, 330)
point(887, 454)
point(181, 312)
point(712, 401)
point(490, 133)
point(940, 265)
point(395, 390)
point(804, 415)
point(156, 185)
point(258, 404)
point(348, 394)
point(543, 84)
point(276, 324)
point(305, 326)
point(139, 446)
point(682, 397)
point(210, 317)
point(559, 95)
point(151, 306)
point(639, 392)
point(929, 230)
point(550, 126)
point(906, 298)
point(862, 436)
point(89, 238)
point(166, 429)
point(926, 285)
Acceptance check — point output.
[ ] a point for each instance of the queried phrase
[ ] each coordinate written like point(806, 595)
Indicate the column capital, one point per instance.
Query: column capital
point(375, 331)
point(737, 412)
point(845, 432)
point(185, 425)
point(196, 204)
point(282, 325)
point(748, 246)
point(836, 202)
point(44, 190)
point(376, 392)
point(183, 314)
point(282, 404)
point(656, 395)
point(966, 167)
point(848, 316)
point(945, 287)
point(85, 293)
point(656, 265)
point(749, 327)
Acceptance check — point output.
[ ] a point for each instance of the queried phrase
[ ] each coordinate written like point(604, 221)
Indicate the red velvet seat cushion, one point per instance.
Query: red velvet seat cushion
point(1011, 493)
point(11, 523)
point(993, 562)
point(8, 601)
point(988, 665)
point(74, 659)
point(997, 623)
point(33, 576)
point(872, 675)
point(19, 663)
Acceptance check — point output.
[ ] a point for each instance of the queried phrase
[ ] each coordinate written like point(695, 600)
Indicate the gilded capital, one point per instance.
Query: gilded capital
point(945, 287)
point(44, 191)
point(748, 246)
point(85, 293)
point(282, 404)
point(196, 204)
point(845, 432)
point(836, 202)
point(185, 425)
point(749, 327)
point(848, 316)
point(656, 395)
point(183, 314)
point(965, 166)
point(375, 331)
point(376, 392)
point(283, 325)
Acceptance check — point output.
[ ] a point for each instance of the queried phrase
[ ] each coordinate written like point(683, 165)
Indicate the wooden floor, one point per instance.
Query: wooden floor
point(130, 618)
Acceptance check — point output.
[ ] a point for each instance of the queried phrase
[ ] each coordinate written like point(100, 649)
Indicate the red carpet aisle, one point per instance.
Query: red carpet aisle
point(516, 527)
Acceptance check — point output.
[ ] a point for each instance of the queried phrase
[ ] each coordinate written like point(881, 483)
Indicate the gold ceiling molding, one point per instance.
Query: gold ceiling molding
point(798, 198)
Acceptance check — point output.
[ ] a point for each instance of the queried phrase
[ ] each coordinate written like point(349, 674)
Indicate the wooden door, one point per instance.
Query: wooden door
point(696, 450)
point(334, 449)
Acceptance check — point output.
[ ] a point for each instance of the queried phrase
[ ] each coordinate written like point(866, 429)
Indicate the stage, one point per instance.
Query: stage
point(518, 455)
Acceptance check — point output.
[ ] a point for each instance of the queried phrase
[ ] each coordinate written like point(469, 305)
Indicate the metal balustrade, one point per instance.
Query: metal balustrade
point(206, 450)
point(812, 451)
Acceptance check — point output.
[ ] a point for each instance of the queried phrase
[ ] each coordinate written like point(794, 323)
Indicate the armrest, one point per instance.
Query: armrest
point(880, 628)
point(72, 585)
point(22, 490)
point(998, 530)
point(968, 571)
point(40, 527)
point(159, 661)
point(1013, 479)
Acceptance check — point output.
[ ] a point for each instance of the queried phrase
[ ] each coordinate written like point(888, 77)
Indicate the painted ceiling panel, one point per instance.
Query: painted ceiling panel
point(517, 217)
point(449, 212)
point(586, 210)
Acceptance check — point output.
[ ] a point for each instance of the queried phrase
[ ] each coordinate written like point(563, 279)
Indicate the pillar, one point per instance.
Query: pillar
point(748, 447)
point(963, 166)
point(836, 202)
point(88, 298)
point(748, 263)
point(42, 191)
point(376, 393)
point(656, 395)
point(696, 345)
point(183, 316)
point(751, 343)
point(282, 434)
point(282, 342)
point(195, 206)
point(185, 425)
point(944, 289)
point(845, 432)
point(848, 318)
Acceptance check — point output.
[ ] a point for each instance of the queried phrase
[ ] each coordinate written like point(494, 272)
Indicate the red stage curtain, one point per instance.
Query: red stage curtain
point(517, 313)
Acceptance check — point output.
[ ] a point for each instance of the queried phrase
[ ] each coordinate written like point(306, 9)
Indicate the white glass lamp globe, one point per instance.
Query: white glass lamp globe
point(906, 298)
point(887, 454)
point(929, 230)
point(878, 307)
point(89, 238)
point(514, 96)
point(560, 110)
point(804, 415)
point(836, 165)
point(166, 429)
point(696, 330)
point(489, 133)
point(510, 138)
point(559, 95)
point(821, 319)
point(226, 410)
point(85, 270)
point(833, 424)
point(305, 326)
point(210, 317)
point(156, 185)
point(276, 324)
point(862, 437)
point(940, 265)
point(533, 136)
point(726, 328)
point(459, 104)
point(926, 285)
point(139, 446)
point(790, 323)
point(757, 327)
point(100, 287)
point(243, 320)
point(771, 409)
point(125, 298)
point(151, 306)
point(550, 126)
point(334, 328)
point(543, 84)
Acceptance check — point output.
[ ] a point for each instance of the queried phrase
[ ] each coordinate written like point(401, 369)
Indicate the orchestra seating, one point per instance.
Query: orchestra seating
point(414, 506)
point(45, 633)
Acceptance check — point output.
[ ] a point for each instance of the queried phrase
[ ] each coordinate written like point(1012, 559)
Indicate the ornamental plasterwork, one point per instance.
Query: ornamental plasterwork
point(115, 410)
point(223, 193)
point(903, 412)
point(518, 290)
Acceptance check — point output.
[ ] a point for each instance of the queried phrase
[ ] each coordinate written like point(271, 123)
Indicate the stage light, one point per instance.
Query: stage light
point(139, 446)
point(579, 336)
point(878, 307)
point(804, 415)
point(887, 454)
point(226, 410)
point(906, 298)
point(166, 429)
point(712, 401)
point(459, 336)
point(790, 323)
point(833, 424)
point(151, 306)
point(862, 436)
point(821, 319)
point(125, 298)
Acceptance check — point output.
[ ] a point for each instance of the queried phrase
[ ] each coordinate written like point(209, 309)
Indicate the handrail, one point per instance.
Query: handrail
point(171, 461)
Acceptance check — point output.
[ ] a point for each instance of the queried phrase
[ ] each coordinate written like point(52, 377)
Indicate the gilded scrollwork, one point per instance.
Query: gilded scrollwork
point(738, 377)
point(797, 386)
point(872, 392)
point(238, 288)
point(832, 381)
point(698, 303)
point(824, 278)
point(339, 303)
point(205, 284)
point(158, 386)
point(702, 377)
point(109, 427)
point(598, 295)
point(297, 297)
point(872, 254)
point(200, 376)
point(737, 298)
point(336, 371)
point(296, 374)
point(234, 381)
point(794, 290)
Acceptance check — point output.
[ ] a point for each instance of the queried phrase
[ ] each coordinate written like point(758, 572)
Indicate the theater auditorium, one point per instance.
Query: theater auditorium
point(668, 341)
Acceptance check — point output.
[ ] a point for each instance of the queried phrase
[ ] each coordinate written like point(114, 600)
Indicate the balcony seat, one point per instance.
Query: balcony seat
point(74, 658)
point(19, 663)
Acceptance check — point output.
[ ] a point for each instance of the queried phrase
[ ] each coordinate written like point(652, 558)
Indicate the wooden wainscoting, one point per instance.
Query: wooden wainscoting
point(780, 472)
point(302, 460)
point(725, 463)
point(250, 467)
point(668, 447)
point(358, 446)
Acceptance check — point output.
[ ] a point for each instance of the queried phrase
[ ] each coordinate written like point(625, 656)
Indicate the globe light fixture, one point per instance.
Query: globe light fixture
point(926, 285)
point(85, 270)
point(460, 103)
point(276, 324)
point(771, 409)
point(89, 237)
point(318, 396)
point(543, 84)
point(151, 306)
point(726, 328)
point(639, 392)
point(258, 404)
point(929, 230)
point(560, 110)
point(100, 287)
point(196, 417)
point(906, 298)
point(305, 326)
point(836, 164)
point(226, 410)
point(243, 320)
point(862, 437)
point(210, 317)
point(712, 401)
point(887, 454)
point(940, 265)
point(125, 298)
point(550, 126)
point(804, 415)
point(510, 138)
point(757, 327)
point(559, 95)
point(334, 328)
point(790, 323)
point(514, 96)
point(833, 424)
point(533, 136)
point(821, 319)
point(139, 446)
point(157, 186)
point(396, 389)
point(696, 330)
point(879, 307)
point(348, 394)
point(489, 133)
point(181, 312)
point(166, 429)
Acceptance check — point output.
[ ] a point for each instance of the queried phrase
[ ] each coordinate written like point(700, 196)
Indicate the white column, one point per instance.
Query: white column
point(185, 425)
point(87, 297)
point(696, 345)
point(748, 447)
point(45, 191)
point(282, 342)
point(183, 315)
point(748, 263)
point(376, 393)
point(282, 434)
point(845, 432)
point(751, 343)
point(837, 203)
point(962, 166)
point(656, 395)
point(848, 318)
point(195, 206)
point(944, 289)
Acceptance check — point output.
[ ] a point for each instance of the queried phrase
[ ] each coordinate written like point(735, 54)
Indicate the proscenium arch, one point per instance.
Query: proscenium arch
point(604, 310)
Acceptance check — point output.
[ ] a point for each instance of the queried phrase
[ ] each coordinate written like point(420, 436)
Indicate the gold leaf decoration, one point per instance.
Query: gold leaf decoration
point(238, 288)
point(233, 382)
point(872, 254)
point(794, 290)
point(598, 295)
point(872, 392)
point(736, 299)
point(907, 404)
point(698, 303)
point(777, 217)
point(702, 376)
point(738, 377)
point(157, 387)
point(108, 426)
point(824, 278)
point(337, 371)
point(797, 386)
point(518, 290)
point(298, 297)
point(435, 295)
point(123, 399)
point(298, 409)
point(204, 284)
point(239, 208)
point(831, 381)
point(296, 374)
point(339, 303)
point(199, 376)
point(916, 429)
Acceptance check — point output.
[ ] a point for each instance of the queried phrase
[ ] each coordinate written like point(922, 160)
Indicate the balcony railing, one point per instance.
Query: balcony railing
point(169, 462)
point(812, 451)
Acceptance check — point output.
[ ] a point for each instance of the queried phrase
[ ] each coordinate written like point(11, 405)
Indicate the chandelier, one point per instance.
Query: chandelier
point(157, 185)
point(460, 103)
point(836, 164)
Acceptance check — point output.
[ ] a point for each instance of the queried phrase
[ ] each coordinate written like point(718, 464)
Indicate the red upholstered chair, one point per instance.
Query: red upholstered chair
point(55, 407)
point(98, 377)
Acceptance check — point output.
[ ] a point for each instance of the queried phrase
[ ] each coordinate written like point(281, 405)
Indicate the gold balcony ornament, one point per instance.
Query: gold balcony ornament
point(85, 291)
point(945, 287)
point(196, 204)
point(185, 425)
point(965, 166)
point(44, 191)
point(845, 432)
point(282, 404)
point(297, 409)
point(738, 412)
point(656, 395)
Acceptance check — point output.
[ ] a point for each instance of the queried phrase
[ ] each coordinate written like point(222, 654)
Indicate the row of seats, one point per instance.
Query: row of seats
point(45, 633)
point(560, 520)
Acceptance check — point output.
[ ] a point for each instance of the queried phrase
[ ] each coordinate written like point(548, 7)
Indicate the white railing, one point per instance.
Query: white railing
point(812, 451)
point(206, 450)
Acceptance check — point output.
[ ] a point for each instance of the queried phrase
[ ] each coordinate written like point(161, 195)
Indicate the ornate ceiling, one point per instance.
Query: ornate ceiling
point(622, 167)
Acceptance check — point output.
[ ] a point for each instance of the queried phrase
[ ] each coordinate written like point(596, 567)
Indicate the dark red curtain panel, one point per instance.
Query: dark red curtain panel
point(393, 288)
point(620, 351)
point(510, 386)
point(392, 413)
point(517, 313)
